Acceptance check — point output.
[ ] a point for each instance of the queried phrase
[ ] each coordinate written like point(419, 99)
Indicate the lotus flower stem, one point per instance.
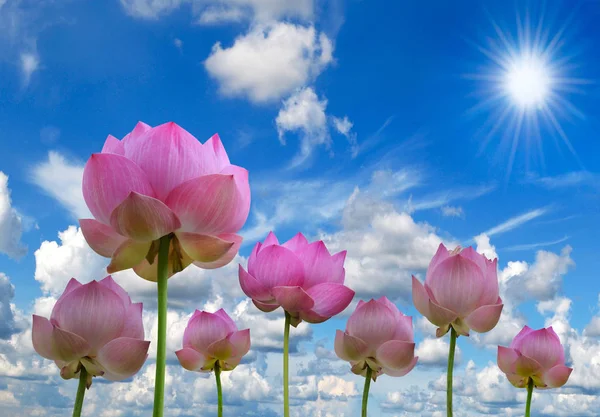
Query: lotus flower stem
point(529, 395)
point(366, 392)
point(219, 390)
point(453, 337)
point(80, 392)
point(161, 349)
point(286, 351)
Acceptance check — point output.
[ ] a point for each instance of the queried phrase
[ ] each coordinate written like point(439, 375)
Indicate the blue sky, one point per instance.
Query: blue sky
point(376, 127)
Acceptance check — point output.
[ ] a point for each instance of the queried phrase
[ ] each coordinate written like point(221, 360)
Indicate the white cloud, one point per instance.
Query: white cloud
point(62, 179)
point(30, 62)
point(516, 221)
point(453, 211)
point(304, 112)
point(11, 223)
point(434, 352)
point(7, 319)
point(270, 61)
point(178, 43)
point(222, 11)
point(485, 247)
point(344, 127)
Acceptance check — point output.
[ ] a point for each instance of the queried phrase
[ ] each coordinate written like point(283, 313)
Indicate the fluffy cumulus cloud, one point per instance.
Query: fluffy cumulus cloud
point(11, 223)
point(61, 179)
point(7, 316)
point(222, 11)
point(304, 112)
point(270, 61)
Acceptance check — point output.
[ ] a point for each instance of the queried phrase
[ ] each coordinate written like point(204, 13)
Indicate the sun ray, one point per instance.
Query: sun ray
point(527, 87)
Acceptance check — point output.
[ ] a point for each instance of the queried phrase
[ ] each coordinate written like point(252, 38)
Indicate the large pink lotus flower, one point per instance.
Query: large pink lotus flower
point(210, 338)
point(95, 326)
point(461, 290)
point(535, 354)
point(304, 279)
point(378, 336)
point(161, 181)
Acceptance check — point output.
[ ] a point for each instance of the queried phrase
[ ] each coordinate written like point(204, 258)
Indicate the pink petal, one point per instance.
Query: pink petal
point(228, 256)
point(457, 284)
point(53, 343)
point(252, 288)
point(517, 381)
point(231, 326)
point(525, 366)
point(130, 254)
point(349, 348)
point(139, 129)
point(113, 145)
point(271, 239)
point(203, 330)
point(329, 298)
point(518, 339)
point(204, 248)
point(93, 312)
point(373, 323)
point(507, 358)
point(490, 272)
point(134, 324)
point(557, 376)
point(544, 346)
point(240, 341)
point(230, 363)
point(277, 266)
point(123, 357)
point(191, 359)
point(395, 354)
point(143, 218)
point(484, 318)
point(319, 266)
point(214, 151)
point(265, 307)
point(296, 244)
point(311, 317)
point(476, 257)
point(110, 283)
point(169, 156)
point(420, 297)
point(440, 255)
point(107, 181)
point(102, 238)
point(293, 299)
point(439, 315)
point(404, 329)
point(221, 349)
point(403, 371)
point(254, 252)
point(71, 285)
point(212, 204)
point(338, 259)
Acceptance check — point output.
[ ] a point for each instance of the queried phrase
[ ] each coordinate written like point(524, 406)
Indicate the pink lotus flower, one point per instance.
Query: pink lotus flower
point(95, 326)
point(535, 354)
point(210, 338)
point(302, 278)
point(160, 181)
point(461, 290)
point(378, 336)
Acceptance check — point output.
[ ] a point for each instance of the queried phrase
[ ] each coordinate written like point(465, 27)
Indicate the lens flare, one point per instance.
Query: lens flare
point(526, 88)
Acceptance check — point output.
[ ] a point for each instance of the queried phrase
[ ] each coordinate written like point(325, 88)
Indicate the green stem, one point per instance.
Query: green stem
point(366, 392)
point(219, 390)
point(286, 352)
point(453, 337)
point(161, 347)
point(80, 392)
point(529, 396)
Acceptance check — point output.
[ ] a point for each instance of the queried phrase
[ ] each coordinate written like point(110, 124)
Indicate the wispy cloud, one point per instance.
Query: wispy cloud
point(444, 198)
point(516, 221)
point(453, 211)
point(570, 179)
point(530, 246)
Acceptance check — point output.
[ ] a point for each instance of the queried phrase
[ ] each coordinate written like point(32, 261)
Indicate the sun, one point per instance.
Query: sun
point(529, 82)
point(526, 88)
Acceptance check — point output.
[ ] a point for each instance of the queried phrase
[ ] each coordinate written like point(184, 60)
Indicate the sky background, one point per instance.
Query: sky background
point(382, 128)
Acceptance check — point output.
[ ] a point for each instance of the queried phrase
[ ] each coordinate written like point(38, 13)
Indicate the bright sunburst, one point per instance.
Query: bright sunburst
point(526, 86)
